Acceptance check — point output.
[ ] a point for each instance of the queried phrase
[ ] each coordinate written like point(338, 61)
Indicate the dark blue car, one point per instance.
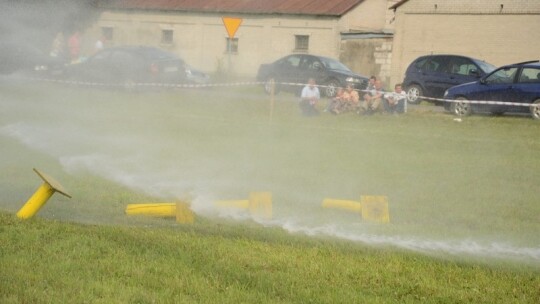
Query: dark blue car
point(511, 88)
point(431, 75)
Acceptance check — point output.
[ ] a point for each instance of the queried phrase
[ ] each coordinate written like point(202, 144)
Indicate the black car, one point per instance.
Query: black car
point(20, 57)
point(431, 75)
point(128, 65)
point(292, 70)
point(511, 88)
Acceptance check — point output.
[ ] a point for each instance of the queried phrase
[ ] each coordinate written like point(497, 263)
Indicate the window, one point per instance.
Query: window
point(531, 75)
point(107, 33)
point(301, 43)
point(462, 66)
point(167, 36)
point(504, 75)
point(231, 45)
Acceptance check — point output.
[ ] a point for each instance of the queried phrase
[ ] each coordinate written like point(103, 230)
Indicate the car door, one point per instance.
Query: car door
point(434, 76)
point(461, 70)
point(526, 88)
point(288, 69)
point(311, 67)
point(499, 87)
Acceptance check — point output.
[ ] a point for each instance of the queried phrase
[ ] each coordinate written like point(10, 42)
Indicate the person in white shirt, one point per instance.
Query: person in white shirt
point(395, 102)
point(309, 99)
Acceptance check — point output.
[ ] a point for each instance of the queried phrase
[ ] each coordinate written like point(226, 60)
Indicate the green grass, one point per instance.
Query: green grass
point(49, 261)
point(447, 181)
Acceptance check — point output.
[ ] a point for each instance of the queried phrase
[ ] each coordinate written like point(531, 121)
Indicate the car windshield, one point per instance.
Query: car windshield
point(334, 64)
point(486, 67)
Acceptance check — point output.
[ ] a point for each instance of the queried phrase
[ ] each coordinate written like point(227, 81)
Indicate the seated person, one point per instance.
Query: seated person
point(309, 98)
point(395, 102)
point(372, 99)
point(352, 99)
point(335, 105)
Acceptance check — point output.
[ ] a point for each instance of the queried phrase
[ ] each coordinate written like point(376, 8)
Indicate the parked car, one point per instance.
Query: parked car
point(298, 68)
point(431, 75)
point(20, 57)
point(515, 83)
point(127, 65)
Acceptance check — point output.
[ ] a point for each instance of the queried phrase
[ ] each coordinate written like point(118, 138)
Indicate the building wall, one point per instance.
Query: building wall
point(200, 39)
point(368, 56)
point(480, 29)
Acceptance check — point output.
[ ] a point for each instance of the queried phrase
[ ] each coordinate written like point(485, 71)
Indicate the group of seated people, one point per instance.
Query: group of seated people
point(373, 98)
point(348, 99)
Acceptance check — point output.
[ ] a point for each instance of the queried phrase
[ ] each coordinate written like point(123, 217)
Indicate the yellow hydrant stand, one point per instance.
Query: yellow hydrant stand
point(40, 197)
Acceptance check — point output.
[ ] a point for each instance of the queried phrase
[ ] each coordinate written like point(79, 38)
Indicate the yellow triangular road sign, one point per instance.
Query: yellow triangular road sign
point(232, 25)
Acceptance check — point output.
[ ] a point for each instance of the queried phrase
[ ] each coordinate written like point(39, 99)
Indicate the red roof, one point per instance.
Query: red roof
point(296, 7)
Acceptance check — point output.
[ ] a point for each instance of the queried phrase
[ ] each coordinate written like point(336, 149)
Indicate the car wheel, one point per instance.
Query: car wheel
point(271, 81)
point(413, 94)
point(535, 110)
point(331, 88)
point(461, 107)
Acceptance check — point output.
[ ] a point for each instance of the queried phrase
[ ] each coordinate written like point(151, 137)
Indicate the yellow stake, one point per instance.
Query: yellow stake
point(40, 197)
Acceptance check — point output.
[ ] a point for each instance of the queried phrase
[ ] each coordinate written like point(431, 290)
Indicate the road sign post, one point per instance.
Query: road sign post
point(231, 25)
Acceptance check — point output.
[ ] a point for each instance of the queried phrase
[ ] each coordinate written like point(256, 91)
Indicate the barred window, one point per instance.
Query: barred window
point(167, 36)
point(107, 33)
point(301, 42)
point(232, 45)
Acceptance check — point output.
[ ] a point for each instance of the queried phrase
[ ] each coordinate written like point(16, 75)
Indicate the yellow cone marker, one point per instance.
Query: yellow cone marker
point(40, 197)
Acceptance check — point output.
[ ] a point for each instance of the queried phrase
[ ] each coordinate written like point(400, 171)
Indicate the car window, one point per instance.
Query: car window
point(121, 58)
point(435, 64)
point(486, 67)
point(419, 63)
point(503, 75)
point(531, 75)
point(461, 66)
point(332, 64)
point(291, 61)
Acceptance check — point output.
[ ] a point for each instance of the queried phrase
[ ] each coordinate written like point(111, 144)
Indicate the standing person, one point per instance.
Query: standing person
point(395, 102)
point(74, 45)
point(372, 100)
point(309, 98)
point(98, 46)
point(58, 45)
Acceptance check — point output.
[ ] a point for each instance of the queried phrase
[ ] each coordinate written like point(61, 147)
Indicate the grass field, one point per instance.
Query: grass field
point(461, 194)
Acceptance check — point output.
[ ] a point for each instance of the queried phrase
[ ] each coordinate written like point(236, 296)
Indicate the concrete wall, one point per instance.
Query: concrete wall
point(481, 29)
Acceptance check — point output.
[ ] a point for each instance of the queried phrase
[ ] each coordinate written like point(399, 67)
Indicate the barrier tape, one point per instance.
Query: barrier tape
point(208, 85)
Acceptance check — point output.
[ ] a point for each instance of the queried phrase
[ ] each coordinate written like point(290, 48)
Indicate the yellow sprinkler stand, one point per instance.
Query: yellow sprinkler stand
point(342, 204)
point(179, 210)
point(373, 208)
point(259, 204)
point(40, 197)
point(156, 209)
